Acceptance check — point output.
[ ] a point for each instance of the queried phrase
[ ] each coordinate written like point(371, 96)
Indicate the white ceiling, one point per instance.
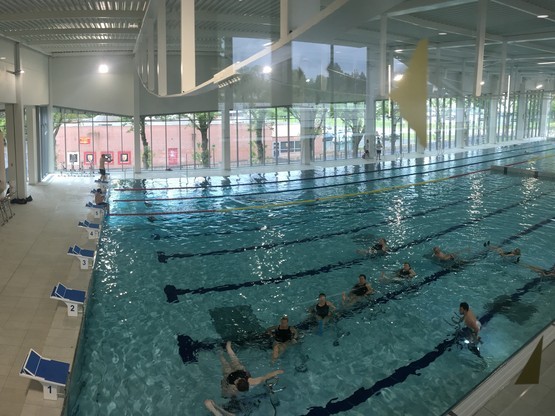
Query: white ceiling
point(77, 27)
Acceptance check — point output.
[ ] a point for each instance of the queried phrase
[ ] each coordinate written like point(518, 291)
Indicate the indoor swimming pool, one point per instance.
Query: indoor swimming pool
point(184, 265)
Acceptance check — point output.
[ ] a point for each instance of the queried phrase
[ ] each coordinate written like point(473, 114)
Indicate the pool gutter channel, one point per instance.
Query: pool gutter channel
point(502, 376)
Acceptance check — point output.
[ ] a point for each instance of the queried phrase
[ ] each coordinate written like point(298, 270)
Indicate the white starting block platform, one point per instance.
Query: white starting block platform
point(50, 373)
point(98, 210)
point(71, 297)
point(86, 257)
point(93, 230)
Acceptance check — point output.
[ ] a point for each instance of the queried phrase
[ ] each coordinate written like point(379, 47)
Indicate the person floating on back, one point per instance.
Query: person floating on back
point(515, 253)
point(440, 255)
point(236, 378)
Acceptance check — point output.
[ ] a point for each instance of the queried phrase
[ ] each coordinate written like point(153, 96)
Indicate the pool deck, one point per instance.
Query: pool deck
point(34, 258)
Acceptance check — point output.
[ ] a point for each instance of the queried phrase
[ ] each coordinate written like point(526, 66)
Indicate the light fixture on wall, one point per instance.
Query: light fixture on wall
point(16, 72)
point(103, 69)
point(539, 86)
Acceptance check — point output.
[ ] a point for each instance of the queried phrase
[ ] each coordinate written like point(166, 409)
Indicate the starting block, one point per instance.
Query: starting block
point(93, 230)
point(86, 257)
point(98, 210)
point(72, 298)
point(50, 373)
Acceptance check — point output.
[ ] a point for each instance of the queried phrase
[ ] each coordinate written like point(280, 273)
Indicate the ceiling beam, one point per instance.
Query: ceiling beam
point(526, 7)
point(80, 31)
point(71, 14)
point(419, 6)
point(93, 42)
point(441, 27)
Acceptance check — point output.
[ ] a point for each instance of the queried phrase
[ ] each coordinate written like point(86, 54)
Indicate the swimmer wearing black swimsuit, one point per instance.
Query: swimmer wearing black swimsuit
point(406, 272)
point(322, 311)
point(360, 289)
point(283, 335)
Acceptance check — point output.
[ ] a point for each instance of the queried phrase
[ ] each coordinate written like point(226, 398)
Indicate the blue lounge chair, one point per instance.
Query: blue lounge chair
point(93, 230)
point(86, 257)
point(98, 210)
point(50, 373)
point(72, 298)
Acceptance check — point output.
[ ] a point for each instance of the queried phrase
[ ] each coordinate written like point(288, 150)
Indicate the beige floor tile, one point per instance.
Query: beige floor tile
point(12, 336)
point(12, 401)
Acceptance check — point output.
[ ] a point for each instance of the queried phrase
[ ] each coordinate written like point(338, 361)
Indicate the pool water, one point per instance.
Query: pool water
point(180, 271)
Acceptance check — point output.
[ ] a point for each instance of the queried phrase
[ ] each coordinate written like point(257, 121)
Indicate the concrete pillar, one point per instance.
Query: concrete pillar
point(136, 125)
point(383, 81)
point(188, 48)
point(546, 103)
point(162, 67)
point(151, 65)
point(283, 18)
point(492, 125)
point(226, 104)
point(299, 11)
point(370, 101)
point(521, 111)
point(32, 144)
point(3, 181)
point(480, 43)
point(15, 129)
point(17, 158)
point(307, 130)
point(460, 131)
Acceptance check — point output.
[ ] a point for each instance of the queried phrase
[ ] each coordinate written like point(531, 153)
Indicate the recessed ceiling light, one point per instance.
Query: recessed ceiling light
point(398, 77)
point(267, 69)
point(482, 82)
point(2, 58)
point(398, 50)
point(442, 33)
point(547, 63)
point(103, 69)
point(542, 16)
point(539, 86)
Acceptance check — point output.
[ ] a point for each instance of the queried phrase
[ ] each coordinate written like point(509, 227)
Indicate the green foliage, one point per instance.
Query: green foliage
point(201, 122)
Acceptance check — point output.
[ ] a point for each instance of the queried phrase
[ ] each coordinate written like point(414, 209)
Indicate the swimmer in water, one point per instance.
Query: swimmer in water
point(379, 248)
point(236, 378)
point(323, 309)
point(359, 291)
point(283, 335)
point(513, 253)
point(406, 272)
point(470, 320)
point(440, 255)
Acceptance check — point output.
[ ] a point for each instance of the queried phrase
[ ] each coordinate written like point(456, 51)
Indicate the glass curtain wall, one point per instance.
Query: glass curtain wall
point(534, 104)
point(80, 138)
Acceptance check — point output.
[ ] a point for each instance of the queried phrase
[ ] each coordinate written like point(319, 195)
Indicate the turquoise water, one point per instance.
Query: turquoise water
point(381, 356)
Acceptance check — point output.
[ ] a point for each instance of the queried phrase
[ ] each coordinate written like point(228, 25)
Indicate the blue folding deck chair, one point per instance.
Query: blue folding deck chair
point(98, 210)
point(93, 229)
point(72, 298)
point(85, 257)
point(50, 373)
